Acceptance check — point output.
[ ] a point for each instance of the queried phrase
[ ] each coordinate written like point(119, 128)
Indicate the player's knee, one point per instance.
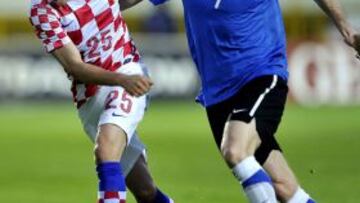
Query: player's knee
point(98, 151)
point(233, 155)
point(108, 148)
point(285, 188)
point(101, 144)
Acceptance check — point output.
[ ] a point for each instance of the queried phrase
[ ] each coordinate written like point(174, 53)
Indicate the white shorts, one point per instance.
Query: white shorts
point(112, 105)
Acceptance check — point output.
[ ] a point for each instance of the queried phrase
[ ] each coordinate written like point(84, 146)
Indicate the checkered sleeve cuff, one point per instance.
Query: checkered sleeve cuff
point(48, 28)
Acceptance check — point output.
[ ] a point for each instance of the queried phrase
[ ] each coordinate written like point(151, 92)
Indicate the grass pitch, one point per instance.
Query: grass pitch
point(46, 157)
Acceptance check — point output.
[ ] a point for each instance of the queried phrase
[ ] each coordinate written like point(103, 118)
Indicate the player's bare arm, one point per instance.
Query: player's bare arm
point(70, 59)
point(125, 4)
point(334, 10)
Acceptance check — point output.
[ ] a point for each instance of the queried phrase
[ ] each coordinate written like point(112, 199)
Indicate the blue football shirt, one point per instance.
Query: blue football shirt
point(232, 42)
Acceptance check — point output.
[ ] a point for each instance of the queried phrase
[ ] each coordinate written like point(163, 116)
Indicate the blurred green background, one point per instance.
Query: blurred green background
point(46, 157)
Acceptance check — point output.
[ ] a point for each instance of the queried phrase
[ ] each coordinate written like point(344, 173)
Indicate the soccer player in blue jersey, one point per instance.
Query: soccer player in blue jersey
point(239, 48)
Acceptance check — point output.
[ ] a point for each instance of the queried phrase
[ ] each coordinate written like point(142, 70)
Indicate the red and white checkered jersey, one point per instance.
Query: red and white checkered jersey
point(97, 29)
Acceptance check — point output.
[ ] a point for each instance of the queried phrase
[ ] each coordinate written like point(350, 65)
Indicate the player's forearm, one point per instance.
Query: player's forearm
point(70, 58)
point(90, 74)
point(334, 10)
point(125, 4)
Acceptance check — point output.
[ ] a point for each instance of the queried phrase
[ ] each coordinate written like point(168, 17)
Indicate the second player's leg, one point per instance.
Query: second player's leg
point(287, 188)
point(284, 180)
point(141, 184)
point(240, 141)
point(242, 123)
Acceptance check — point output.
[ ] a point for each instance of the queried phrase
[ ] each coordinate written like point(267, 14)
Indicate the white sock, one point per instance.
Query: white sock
point(300, 196)
point(256, 183)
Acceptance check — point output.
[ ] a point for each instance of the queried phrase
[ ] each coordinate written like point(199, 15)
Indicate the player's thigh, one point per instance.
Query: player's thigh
point(240, 138)
point(122, 110)
point(113, 105)
point(237, 117)
point(268, 116)
point(217, 117)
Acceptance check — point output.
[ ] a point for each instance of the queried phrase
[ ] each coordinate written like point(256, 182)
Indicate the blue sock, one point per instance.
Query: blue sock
point(255, 181)
point(111, 181)
point(310, 201)
point(259, 177)
point(161, 198)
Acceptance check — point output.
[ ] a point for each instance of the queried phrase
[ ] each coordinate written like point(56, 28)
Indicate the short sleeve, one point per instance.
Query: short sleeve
point(48, 28)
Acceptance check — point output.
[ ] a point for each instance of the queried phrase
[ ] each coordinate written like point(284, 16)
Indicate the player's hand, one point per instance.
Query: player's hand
point(136, 85)
point(353, 39)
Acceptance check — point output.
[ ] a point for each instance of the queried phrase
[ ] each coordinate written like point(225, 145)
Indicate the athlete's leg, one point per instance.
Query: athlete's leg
point(284, 180)
point(109, 146)
point(285, 183)
point(241, 125)
point(240, 141)
point(117, 123)
point(141, 184)
point(268, 118)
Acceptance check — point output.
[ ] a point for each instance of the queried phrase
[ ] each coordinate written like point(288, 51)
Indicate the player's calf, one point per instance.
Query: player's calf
point(142, 185)
point(285, 183)
point(284, 188)
point(146, 193)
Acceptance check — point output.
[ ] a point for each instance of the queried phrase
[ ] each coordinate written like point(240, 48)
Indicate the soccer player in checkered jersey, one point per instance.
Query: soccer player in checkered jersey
point(239, 48)
point(91, 41)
